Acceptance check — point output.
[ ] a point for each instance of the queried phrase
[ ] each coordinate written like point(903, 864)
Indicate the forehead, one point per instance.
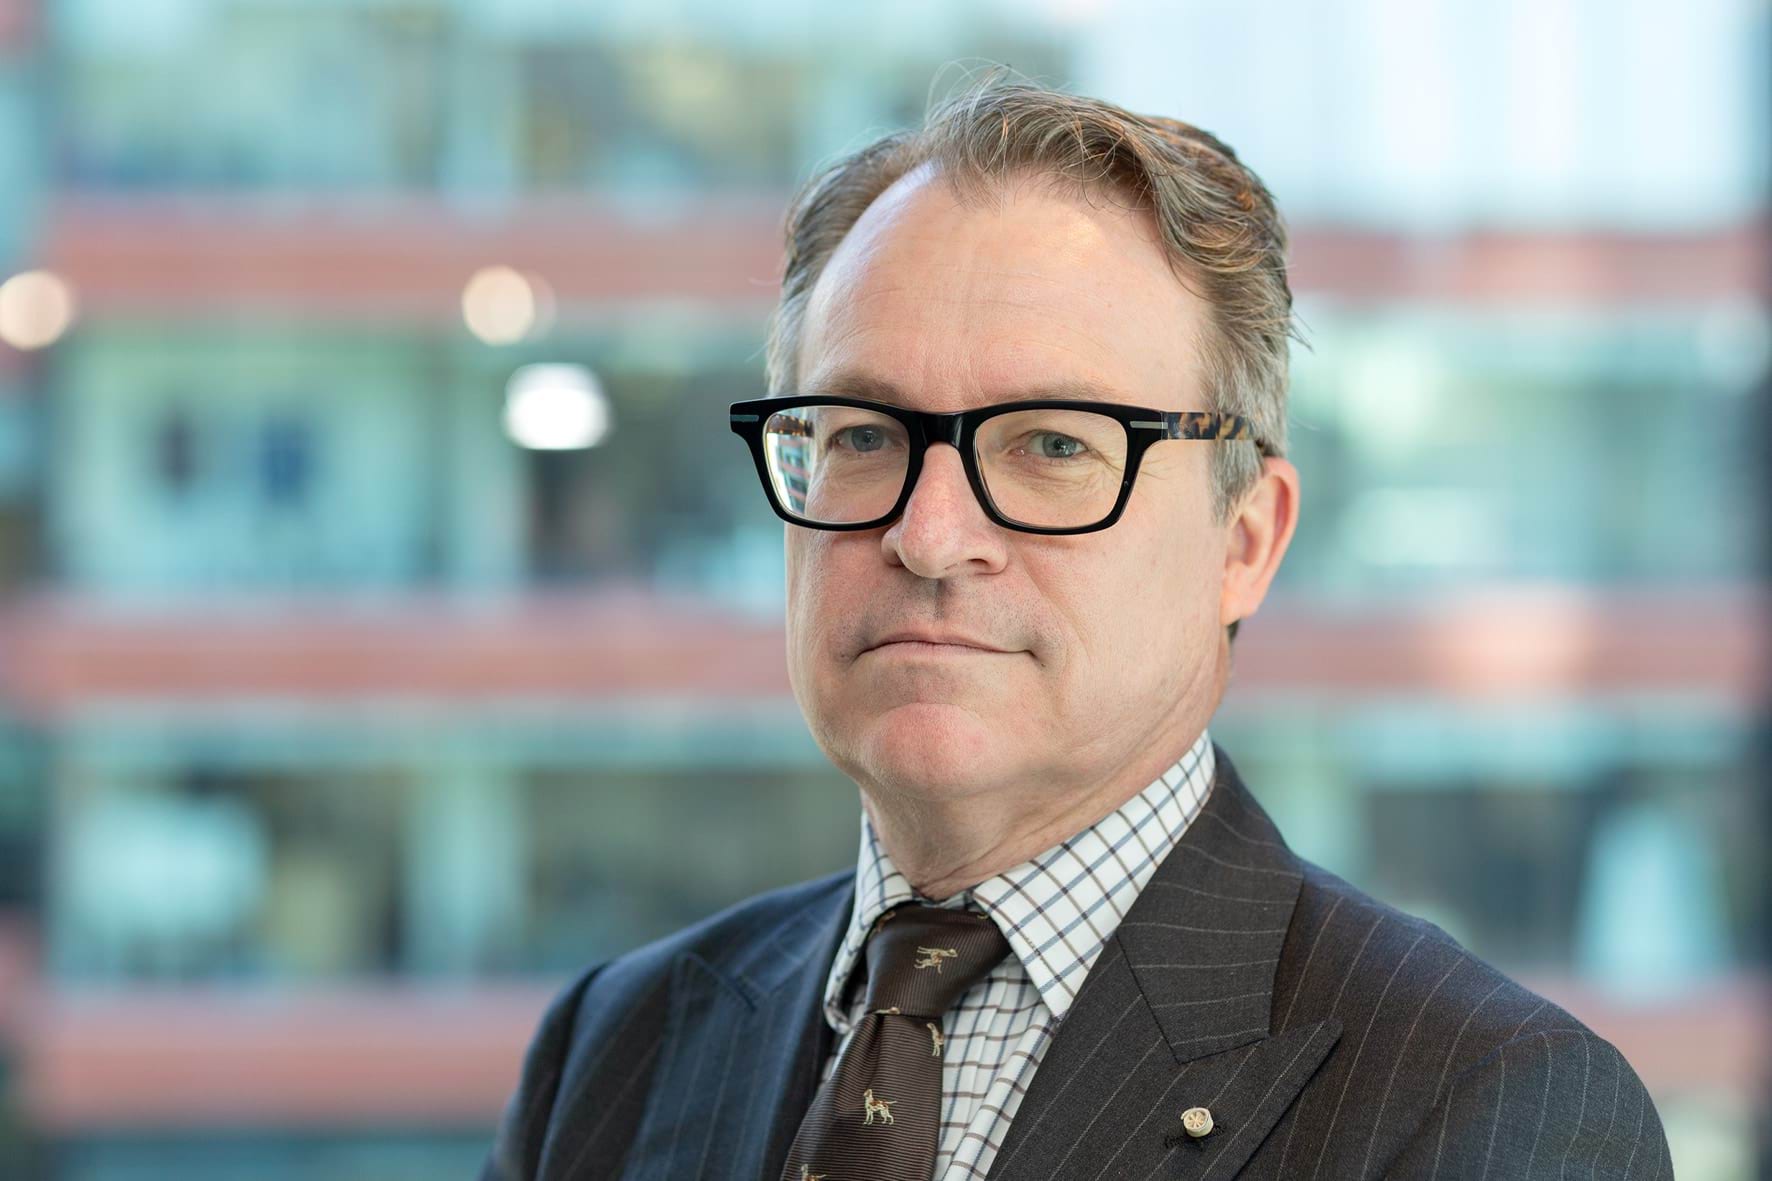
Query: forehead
point(937, 304)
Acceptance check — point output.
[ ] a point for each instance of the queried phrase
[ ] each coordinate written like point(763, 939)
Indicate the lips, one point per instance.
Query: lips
point(948, 638)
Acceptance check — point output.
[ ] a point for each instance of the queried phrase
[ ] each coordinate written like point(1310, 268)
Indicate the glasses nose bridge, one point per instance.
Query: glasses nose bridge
point(942, 428)
point(949, 428)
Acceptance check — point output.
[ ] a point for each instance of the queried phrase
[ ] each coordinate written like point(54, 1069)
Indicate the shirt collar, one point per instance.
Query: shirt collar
point(1056, 909)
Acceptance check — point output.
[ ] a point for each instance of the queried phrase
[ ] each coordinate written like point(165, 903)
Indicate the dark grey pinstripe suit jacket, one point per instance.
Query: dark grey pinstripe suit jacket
point(1330, 1035)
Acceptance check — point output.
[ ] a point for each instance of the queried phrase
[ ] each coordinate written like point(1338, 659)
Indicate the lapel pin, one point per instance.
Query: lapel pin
point(1196, 1121)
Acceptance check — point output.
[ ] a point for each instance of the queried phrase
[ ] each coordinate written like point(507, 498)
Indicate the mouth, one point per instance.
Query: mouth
point(931, 648)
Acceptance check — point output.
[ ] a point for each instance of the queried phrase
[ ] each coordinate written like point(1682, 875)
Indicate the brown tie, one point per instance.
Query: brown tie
point(878, 1117)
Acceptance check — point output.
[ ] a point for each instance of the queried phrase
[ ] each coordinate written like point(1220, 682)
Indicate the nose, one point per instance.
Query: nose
point(943, 530)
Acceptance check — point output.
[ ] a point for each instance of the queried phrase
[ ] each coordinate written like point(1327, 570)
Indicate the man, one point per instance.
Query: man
point(1074, 945)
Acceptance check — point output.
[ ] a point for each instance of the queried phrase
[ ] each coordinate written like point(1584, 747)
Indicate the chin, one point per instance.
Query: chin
point(933, 746)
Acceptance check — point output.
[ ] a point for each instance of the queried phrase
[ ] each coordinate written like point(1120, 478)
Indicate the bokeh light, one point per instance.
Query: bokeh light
point(36, 309)
point(503, 305)
point(554, 407)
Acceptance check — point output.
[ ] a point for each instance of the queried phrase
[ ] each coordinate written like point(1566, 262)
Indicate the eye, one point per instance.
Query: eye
point(861, 438)
point(1060, 446)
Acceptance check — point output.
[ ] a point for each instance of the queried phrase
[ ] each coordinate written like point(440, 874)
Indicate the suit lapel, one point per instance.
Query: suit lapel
point(1175, 1013)
point(743, 1049)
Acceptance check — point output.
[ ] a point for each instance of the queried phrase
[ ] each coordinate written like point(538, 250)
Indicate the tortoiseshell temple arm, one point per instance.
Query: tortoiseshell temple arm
point(1202, 424)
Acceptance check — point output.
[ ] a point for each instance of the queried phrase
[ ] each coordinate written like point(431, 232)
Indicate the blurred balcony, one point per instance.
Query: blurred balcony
point(400, 259)
point(370, 1056)
point(1498, 643)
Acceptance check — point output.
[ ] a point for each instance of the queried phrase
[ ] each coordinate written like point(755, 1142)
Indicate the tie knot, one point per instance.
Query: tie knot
point(921, 958)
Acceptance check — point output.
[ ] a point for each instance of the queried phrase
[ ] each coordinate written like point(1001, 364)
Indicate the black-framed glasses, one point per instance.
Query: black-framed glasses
point(1038, 466)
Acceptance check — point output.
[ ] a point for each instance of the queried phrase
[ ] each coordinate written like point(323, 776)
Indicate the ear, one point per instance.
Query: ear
point(1256, 538)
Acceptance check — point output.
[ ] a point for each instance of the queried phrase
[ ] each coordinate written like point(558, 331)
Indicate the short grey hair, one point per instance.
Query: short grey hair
point(1223, 233)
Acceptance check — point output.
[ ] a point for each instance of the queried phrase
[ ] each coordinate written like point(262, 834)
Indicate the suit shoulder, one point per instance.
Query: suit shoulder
point(601, 1029)
point(1352, 955)
point(1441, 1045)
point(622, 999)
point(723, 938)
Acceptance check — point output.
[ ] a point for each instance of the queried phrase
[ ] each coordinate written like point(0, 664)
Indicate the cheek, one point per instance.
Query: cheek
point(811, 566)
point(1122, 604)
point(795, 558)
point(803, 592)
point(820, 592)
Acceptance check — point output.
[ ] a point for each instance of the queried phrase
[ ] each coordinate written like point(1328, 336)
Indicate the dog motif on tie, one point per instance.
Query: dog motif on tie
point(935, 1034)
point(880, 1107)
point(807, 1174)
point(934, 955)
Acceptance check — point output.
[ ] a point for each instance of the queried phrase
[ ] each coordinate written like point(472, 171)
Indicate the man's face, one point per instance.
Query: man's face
point(1110, 642)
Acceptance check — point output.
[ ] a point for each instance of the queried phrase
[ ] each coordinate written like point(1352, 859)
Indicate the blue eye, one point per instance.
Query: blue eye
point(1069, 448)
point(862, 436)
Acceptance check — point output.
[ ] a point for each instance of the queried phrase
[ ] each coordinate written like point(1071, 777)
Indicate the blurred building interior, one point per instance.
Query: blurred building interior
point(344, 714)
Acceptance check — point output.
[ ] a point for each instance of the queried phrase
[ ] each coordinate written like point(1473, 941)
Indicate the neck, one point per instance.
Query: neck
point(945, 846)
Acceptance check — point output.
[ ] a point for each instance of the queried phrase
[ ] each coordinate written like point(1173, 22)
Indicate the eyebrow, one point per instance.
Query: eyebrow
point(858, 384)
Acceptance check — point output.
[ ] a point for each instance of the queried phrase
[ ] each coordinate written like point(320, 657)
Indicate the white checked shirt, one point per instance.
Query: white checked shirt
point(1057, 911)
